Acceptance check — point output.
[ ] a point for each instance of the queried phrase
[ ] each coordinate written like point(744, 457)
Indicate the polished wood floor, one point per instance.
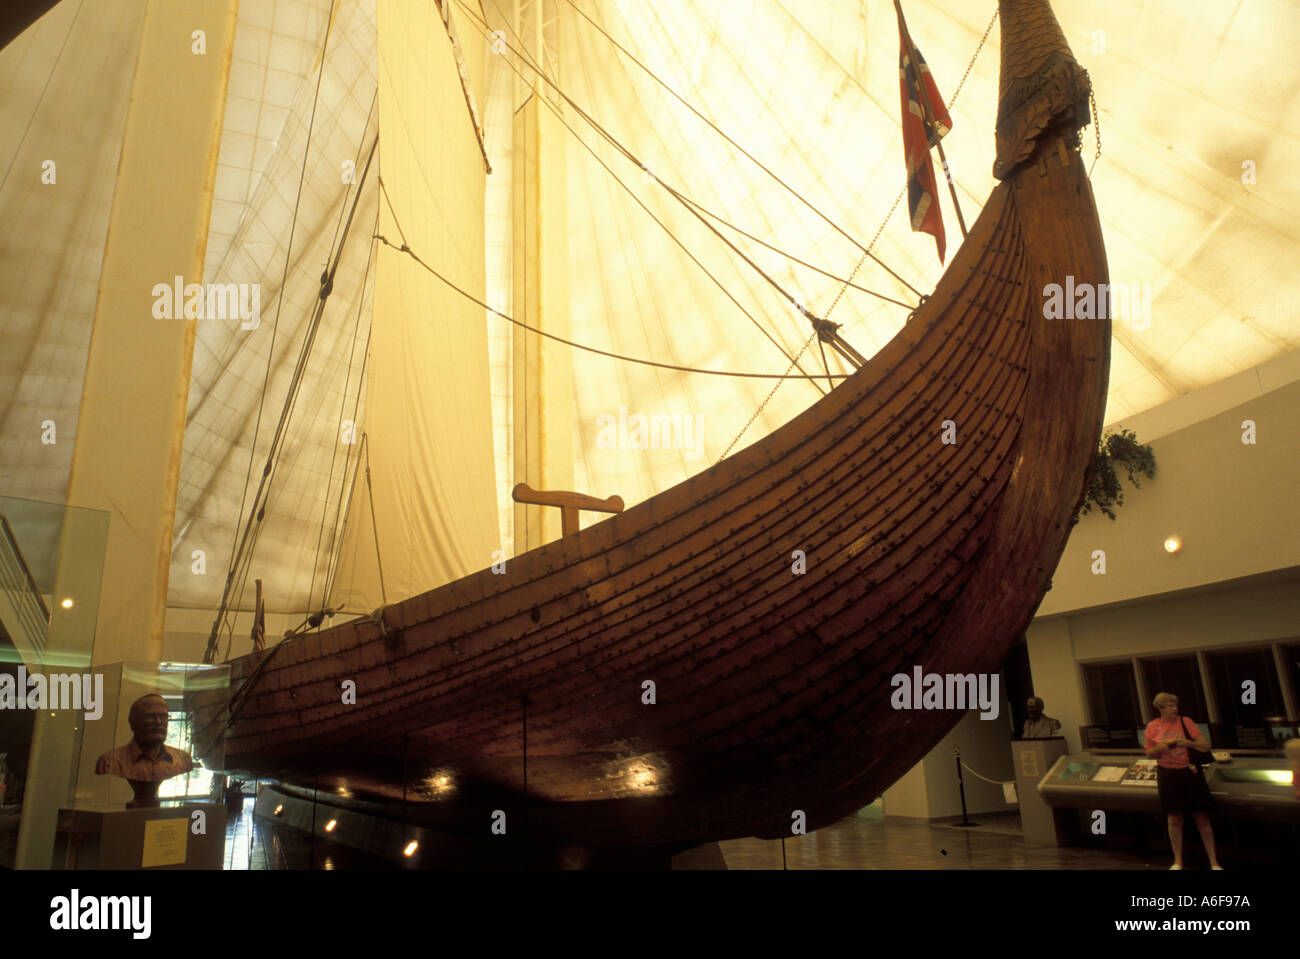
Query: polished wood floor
point(850, 844)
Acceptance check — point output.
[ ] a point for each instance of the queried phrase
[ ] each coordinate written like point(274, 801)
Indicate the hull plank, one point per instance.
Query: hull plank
point(772, 689)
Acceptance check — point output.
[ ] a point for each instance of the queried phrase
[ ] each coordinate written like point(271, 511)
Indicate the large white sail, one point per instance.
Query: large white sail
point(428, 417)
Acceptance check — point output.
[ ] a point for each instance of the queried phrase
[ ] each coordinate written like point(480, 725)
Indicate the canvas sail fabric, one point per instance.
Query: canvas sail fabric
point(235, 396)
point(428, 413)
point(54, 224)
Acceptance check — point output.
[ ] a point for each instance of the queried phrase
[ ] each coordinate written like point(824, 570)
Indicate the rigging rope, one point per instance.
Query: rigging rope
point(591, 349)
point(273, 456)
point(370, 494)
point(879, 230)
point(318, 312)
point(993, 782)
point(865, 249)
point(341, 512)
point(898, 199)
point(374, 100)
point(343, 400)
point(686, 202)
point(243, 554)
point(236, 547)
point(775, 387)
point(672, 236)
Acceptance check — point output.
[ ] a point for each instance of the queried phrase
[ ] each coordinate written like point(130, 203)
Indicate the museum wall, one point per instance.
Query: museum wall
point(1236, 580)
point(1233, 504)
point(1256, 612)
point(929, 789)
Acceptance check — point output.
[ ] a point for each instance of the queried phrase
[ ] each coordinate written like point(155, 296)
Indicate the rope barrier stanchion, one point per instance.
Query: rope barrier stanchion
point(961, 788)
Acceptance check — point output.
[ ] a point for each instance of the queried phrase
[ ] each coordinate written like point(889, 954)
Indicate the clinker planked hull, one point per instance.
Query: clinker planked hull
point(772, 689)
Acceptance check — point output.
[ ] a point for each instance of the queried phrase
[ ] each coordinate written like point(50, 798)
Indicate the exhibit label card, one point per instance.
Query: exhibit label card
point(164, 842)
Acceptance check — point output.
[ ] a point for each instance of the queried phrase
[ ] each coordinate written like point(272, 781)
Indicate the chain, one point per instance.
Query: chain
point(951, 103)
point(1096, 127)
point(870, 246)
point(807, 343)
point(898, 199)
point(983, 40)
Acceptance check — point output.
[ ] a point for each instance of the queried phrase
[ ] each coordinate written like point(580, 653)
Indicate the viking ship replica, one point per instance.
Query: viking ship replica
point(526, 691)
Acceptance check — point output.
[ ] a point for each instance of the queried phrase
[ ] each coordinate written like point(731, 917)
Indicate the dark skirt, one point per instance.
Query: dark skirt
point(1183, 790)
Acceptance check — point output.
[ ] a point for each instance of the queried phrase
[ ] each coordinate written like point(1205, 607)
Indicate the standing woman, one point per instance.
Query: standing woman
point(1182, 786)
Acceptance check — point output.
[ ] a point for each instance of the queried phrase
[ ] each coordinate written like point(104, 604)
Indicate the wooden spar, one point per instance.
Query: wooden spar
point(570, 504)
point(258, 631)
point(929, 117)
point(771, 687)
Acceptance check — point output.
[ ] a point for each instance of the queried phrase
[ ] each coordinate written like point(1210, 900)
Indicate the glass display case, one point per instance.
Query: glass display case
point(184, 703)
point(146, 795)
point(51, 568)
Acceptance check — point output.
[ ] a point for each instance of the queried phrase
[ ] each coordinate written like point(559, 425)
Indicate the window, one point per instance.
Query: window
point(1291, 657)
point(197, 784)
point(1231, 671)
point(1180, 675)
point(1112, 694)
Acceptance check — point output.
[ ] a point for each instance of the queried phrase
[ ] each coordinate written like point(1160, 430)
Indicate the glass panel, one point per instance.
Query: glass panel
point(1078, 771)
point(1231, 670)
point(1280, 777)
point(113, 763)
point(1291, 657)
point(51, 568)
point(1112, 694)
point(1181, 676)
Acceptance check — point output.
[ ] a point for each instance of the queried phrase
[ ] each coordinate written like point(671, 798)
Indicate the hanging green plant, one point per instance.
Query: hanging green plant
point(1123, 448)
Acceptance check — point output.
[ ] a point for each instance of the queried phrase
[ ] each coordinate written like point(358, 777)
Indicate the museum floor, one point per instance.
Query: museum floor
point(851, 844)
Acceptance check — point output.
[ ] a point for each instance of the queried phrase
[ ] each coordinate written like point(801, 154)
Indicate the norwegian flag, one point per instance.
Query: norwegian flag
point(919, 138)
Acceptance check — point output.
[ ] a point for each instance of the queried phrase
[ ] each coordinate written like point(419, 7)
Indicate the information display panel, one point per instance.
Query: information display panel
point(1244, 787)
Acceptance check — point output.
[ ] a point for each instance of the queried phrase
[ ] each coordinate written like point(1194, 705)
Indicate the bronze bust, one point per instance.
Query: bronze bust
point(146, 760)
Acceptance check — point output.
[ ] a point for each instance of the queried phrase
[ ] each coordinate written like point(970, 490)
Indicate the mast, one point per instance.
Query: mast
point(541, 369)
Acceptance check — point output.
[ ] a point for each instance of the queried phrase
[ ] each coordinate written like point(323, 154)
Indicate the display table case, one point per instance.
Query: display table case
point(187, 836)
point(1245, 787)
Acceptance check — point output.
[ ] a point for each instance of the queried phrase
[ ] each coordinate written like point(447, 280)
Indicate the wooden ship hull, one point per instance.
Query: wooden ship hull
point(524, 691)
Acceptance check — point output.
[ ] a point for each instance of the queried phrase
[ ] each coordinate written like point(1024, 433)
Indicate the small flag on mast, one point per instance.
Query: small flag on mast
point(919, 137)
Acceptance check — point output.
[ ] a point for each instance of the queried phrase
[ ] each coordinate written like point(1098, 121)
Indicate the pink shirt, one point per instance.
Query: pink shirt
point(1159, 731)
